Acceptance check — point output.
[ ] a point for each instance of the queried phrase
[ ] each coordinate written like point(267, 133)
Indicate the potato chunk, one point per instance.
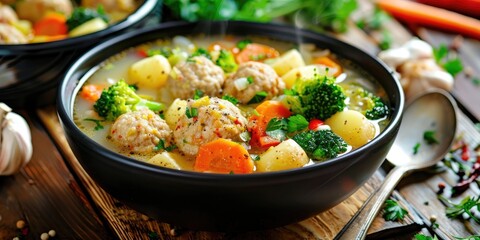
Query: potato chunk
point(166, 159)
point(175, 111)
point(150, 72)
point(286, 155)
point(353, 127)
point(288, 61)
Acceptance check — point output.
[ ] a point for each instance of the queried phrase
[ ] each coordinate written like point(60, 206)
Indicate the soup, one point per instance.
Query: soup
point(230, 104)
point(32, 21)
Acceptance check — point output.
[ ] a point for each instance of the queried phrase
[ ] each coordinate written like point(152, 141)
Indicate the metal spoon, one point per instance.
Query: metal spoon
point(433, 111)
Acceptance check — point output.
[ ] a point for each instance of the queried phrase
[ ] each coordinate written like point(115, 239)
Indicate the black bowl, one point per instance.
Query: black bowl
point(223, 202)
point(36, 68)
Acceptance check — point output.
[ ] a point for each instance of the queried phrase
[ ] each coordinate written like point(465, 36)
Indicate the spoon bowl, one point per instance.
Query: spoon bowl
point(433, 111)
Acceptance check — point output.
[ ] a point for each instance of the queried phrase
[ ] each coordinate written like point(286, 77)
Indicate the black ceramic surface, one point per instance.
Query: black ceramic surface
point(30, 73)
point(220, 201)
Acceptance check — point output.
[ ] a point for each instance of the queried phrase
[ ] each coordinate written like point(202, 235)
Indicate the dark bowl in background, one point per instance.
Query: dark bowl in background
point(37, 68)
point(222, 202)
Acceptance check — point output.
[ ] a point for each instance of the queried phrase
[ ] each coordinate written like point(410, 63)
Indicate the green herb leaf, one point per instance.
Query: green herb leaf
point(161, 146)
point(476, 81)
point(255, 158)
point(386, 40)
point(98, 123)
point(452, 65)
point(243, 43)
point(290, 92)
point(276, 128)
point(415, 148)
point(423, 237)
point(250, 80)
point(474, 237)
point(296, 123)
point(259, 96)
point(198, 94)
point(465, 206)
point(191, 112)
point(163, 51)
point(429, 137)
point(393, 211)
point(230, 99)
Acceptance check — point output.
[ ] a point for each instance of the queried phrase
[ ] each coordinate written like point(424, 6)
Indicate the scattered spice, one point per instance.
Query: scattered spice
point(441, 188)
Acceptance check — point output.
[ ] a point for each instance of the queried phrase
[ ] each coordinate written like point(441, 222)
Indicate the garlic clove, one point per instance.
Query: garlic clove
point(419, 49)
point(15, 142)
point(395, 57)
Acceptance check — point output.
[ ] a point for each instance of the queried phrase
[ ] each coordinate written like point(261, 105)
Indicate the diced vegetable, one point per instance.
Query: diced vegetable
point(91, 92)
point(353, 127)
point(175, 111)
point(315, 124)
point(51, 24)
point(306, 72)
point(266, 112)
point(256, 52)
point(223, 156)
point(286, 155)
point(93, 25)
point(288, 61)
point(166, 159)
point(333, 67)
point(150, 72)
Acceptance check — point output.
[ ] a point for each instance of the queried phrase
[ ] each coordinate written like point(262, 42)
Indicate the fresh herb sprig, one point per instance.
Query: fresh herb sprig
point(455, 210)
point(393, 211)
point(448, 60)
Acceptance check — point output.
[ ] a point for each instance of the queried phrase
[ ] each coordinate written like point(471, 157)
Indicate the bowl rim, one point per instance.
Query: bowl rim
point(278, 176)
point(74, 42)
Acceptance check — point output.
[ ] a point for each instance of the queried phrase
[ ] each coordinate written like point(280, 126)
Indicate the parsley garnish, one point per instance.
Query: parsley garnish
point(198, 94)
point(276, 128)
point(476, 81)
point(452, 65)
point(201, 52)
point(393, 211)
point(243, 43)
point(415, 148)
point(163, 51)
point(465, 206)
point(259, 96)
point(423, 237)
point(191, 112)
point(250, 80)
point(429, 137)
point(230, 99)
point(161, 146)
point(296, 123)
point(256, 158)
point(98, 125)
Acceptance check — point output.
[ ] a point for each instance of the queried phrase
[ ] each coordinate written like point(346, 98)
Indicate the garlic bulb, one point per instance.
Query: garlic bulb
point(415, 65)
point(15, 141)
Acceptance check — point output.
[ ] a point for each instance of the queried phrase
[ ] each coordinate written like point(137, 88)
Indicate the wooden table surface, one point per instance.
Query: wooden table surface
point(53, 192)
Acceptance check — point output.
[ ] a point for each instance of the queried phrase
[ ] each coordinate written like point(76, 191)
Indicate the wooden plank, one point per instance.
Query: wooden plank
point(129, 224)
point(46, 196)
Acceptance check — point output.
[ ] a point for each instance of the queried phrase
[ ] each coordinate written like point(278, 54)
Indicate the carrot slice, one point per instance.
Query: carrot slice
point(267, 110)
point(334, 67)
point(256, 52)
point(91, 92)
point(52, 24)
point(421, 14)
point(223, 156)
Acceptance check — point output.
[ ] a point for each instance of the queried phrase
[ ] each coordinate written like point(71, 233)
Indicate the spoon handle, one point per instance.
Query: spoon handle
point(359, 224)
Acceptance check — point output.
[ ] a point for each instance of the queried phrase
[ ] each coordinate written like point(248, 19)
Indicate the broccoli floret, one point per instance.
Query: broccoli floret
point(201, 52)
point(319, 97)
point(321, 145)
point(378, 109)
point(81, 15)
point(121, 98)
point(366, 102)
point(226, 61)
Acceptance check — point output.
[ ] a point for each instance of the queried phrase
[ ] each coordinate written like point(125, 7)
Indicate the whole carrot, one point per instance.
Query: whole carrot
point(421, 14)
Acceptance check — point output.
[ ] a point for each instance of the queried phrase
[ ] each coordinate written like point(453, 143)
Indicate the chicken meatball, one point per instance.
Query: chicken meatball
point(111, 5)
point(198, 73)
point(7, 15)
point(208, 119)
point(140, 131)
point(10, 35)
point(252, 78)
point(34, 10)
